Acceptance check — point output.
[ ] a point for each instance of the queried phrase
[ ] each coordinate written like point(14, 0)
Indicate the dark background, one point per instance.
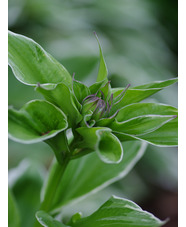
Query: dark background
point(140, 43)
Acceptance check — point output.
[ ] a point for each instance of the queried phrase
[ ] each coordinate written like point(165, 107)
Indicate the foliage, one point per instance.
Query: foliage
point(109, 129)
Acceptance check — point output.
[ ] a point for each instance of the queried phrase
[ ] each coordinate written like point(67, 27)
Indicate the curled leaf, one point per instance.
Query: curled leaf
point(36, 121)
point(101, 140)
point(61, 96)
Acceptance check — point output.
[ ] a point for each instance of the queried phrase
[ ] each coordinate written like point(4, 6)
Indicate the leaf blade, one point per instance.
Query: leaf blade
point(139, 93)
point(121, 213)
point(31, 124)
point(80, 90)
point(61, 96)
point(140, 109)
point(31, 64)
point(165, 136)
point(102, 72)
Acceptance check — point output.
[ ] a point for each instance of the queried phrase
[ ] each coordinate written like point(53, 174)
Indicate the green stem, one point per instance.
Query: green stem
point(50, 193)
point(53, 183)
point(59, 145)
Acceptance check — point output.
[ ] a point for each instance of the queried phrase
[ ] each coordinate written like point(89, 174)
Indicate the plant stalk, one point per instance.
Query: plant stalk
point(53, 183)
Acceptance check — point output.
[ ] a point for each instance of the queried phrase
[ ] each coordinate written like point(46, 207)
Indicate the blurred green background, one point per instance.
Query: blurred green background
point(139, 40)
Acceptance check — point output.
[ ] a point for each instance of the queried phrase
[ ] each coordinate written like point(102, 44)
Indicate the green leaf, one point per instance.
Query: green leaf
point(115, 212)
point(46, 220)
point(101, 140)
point(142, 109)
point(96, 86)
point(102, 73)
point(61, 96)
point(139, 93)
point(158, 84)
point(166, 135)
point(89, 174)
point(13, 213)
point(36, 121)
point(121, 213)
point(31, 64)
point(141, 125)
point(142, 118)
point(80, 90)
point(25, 181)
point(106, 91)
point(75, 217)
point(161, 133)
point(105, 122)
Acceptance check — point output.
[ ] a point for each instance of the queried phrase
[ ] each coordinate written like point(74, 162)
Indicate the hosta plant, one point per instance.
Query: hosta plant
point(97, 134)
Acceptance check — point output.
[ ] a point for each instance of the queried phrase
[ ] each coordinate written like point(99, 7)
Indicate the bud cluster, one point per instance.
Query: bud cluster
point(102, 104)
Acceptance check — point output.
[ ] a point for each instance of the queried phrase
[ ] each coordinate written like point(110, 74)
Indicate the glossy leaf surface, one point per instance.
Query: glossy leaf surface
point(36, 121)
point(31, 64)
